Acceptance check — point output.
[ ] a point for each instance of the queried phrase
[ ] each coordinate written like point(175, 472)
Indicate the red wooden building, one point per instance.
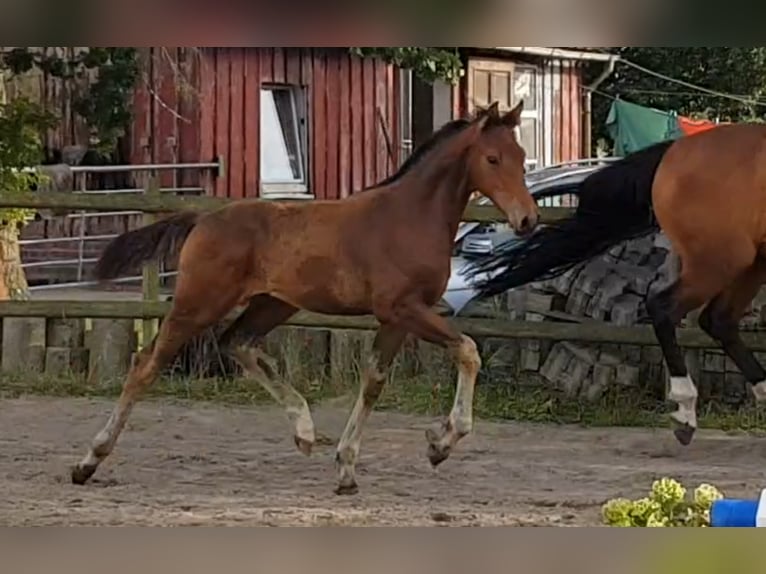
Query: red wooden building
point(285, 122)
point(321, 123)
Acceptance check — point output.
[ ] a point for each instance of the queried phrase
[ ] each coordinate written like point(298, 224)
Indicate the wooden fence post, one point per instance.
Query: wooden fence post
point(151, 270)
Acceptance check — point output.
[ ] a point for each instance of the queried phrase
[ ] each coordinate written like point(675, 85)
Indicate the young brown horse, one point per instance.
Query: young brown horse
point(384, 252)
point(707, 193)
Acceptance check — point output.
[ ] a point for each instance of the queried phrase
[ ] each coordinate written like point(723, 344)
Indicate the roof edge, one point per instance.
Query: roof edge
point(563, 54)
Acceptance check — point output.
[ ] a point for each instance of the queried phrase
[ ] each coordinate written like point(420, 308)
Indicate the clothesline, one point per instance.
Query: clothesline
point(634, 127)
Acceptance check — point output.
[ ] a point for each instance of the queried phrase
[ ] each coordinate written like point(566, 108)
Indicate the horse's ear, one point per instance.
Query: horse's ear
point(513, 118)
point(485, 114)
point(493, 111)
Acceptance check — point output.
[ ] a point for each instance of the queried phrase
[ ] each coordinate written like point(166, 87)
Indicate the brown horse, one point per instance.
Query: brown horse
point(384, 252)
point(707, 193)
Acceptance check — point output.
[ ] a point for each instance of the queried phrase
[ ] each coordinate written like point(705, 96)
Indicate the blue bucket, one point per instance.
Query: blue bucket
point(733, 513)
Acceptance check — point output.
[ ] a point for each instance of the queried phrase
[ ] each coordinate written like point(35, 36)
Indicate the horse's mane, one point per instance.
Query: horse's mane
point(445, 132)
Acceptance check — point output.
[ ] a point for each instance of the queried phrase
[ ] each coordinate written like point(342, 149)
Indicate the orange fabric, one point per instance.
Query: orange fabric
point(690, 126)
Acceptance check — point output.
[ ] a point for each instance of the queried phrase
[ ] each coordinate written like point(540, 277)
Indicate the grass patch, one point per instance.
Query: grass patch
point(523, 400)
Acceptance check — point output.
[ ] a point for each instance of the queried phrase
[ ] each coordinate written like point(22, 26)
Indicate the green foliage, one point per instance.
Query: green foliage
point(21, 123)
point(106, 106)
point(429, 64)
point(736, 71)
point(666, 506)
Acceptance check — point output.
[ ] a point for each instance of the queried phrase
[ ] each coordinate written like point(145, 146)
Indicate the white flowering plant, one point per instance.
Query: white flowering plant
point(667, 505)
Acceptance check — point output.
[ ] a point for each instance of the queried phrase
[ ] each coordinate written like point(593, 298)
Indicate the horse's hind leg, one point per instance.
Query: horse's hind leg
point(187, 318)
point(702, 278)
point(386, 345)
point(263, 314)
point(720, 319)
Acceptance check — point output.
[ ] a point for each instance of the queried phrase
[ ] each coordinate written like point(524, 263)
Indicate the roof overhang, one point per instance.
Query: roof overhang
point(562, 54)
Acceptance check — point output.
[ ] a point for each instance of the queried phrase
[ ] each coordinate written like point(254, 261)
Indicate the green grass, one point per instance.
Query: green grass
point(523, 400)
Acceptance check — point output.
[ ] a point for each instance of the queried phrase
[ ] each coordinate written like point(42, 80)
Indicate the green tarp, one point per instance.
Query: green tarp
point(634, 127)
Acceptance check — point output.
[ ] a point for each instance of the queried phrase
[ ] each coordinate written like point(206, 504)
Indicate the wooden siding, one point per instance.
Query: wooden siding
point(563, 86)
point(346, 99)
point(166, 120)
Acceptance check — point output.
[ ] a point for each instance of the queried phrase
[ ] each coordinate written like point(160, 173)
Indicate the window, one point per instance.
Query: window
point(525, 88)
point(507, 83)
point(283, 142)
point(405, 115)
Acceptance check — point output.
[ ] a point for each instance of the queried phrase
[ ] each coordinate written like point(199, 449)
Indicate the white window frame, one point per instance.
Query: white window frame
point(535, 114)
point(405, 114)
point(291, 189)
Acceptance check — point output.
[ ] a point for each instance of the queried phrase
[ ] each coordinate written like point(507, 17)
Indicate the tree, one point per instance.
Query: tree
point(737, 71)
point(428, 64)
point(21, 123)
point(103, 101)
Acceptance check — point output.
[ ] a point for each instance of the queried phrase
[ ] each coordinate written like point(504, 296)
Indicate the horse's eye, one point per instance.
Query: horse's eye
point(493, 159)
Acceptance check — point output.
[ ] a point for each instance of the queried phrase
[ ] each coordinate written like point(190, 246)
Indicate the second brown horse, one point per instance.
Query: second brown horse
point(386, 252)
point(707, 193)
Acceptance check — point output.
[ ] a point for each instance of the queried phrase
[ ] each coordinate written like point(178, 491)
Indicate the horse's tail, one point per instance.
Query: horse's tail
point(614, 205)
point(126, 252)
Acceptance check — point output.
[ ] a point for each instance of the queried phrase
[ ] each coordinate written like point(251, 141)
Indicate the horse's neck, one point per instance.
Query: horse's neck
point(436, 195)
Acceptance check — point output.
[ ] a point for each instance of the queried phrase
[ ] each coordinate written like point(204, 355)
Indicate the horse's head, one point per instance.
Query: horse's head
point(495, 164)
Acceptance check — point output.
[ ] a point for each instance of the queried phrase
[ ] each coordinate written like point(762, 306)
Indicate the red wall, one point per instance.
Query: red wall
point(567, 114)
point(347, 147)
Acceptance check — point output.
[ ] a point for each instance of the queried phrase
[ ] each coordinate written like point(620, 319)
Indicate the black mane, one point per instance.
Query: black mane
point(448, 130)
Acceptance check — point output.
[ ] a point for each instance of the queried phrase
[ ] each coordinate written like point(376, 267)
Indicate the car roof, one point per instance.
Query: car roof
point(546, 178)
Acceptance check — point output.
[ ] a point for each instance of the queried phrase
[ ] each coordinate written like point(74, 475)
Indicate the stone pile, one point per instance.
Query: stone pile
point(613, 288)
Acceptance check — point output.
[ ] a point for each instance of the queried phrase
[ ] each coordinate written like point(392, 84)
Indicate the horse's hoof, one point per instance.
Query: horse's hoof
point(437, 454)
point(348, 489)
point(684, 434)
point(81, 473)
point(304, 445)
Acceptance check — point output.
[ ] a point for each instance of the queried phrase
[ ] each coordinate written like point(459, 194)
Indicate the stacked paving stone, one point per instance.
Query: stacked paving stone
point(613, 288)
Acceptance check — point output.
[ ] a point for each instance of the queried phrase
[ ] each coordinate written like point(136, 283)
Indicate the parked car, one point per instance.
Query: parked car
point(550, 186)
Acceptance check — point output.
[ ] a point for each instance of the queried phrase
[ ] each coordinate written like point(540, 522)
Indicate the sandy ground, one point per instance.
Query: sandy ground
point(191, 464)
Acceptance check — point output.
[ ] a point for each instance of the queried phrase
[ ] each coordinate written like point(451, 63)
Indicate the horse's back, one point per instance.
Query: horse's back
point(709, 191)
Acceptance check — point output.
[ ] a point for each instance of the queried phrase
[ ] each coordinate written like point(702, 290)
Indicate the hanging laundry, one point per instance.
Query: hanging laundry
point(634, 127)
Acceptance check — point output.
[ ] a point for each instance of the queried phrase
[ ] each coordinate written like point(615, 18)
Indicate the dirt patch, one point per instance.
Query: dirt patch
point(192, 464)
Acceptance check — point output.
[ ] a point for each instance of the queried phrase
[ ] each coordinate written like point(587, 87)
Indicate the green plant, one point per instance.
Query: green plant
point(428, 64)
point(666, 506)
point(21, 122)
point(106, 103)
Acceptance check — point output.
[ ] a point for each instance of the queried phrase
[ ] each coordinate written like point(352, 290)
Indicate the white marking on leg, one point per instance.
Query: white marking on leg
point(351, 439)
point(103, 441)
point(460, 423)
point(759, 391)
point(141, 373)
point(684, 393)
point(294, 403)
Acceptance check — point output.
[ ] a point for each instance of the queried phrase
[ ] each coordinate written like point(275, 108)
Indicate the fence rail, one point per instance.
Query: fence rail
point(63, 203)
point(642, 335)
point(151, 310)
point(148, 171)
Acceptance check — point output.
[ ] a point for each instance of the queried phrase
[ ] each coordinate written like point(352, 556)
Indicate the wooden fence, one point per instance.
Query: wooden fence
point(152, 309)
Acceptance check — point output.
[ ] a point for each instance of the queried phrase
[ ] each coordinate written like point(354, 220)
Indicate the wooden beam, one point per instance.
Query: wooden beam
point(62, 203)
point(547, 330)
point(150, 284)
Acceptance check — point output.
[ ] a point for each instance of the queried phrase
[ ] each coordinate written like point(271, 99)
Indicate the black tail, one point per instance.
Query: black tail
point(128, 251)
point(614, 205)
